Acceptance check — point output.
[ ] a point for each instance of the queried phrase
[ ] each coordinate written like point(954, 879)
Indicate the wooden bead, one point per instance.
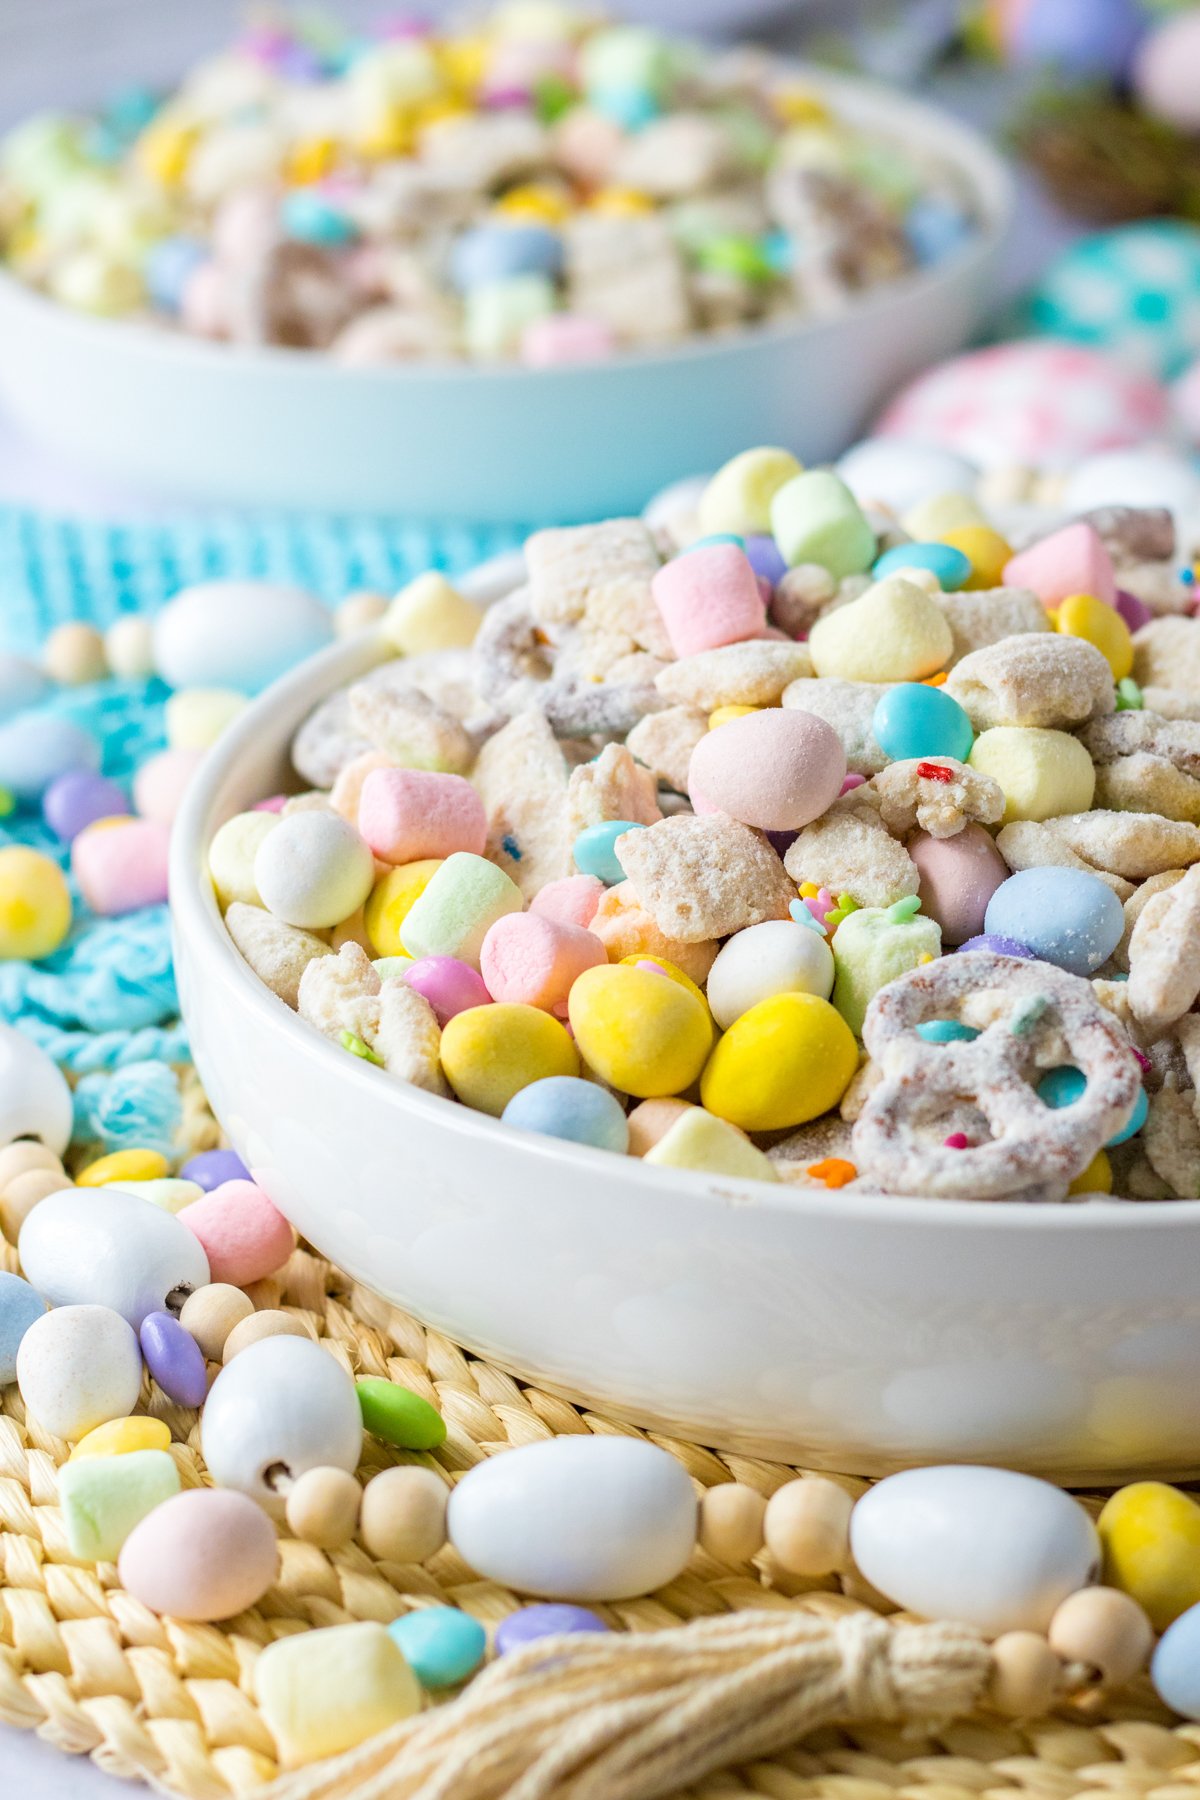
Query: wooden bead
point(74, 653)
point(807, 1526)
point(322, 1507)
point(27, 1191)
point(129, 646)
point(261, 1325)
point(211, 1313)
point(27, 1153)
point(1105, 1629)
point(1027, 1677)
point(403, 1518)
point(731, 1522)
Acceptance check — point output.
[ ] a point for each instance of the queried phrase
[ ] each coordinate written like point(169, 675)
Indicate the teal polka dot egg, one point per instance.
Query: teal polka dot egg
point(1134, 291)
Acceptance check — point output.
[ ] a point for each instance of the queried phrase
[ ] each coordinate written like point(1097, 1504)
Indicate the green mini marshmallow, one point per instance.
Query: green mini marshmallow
point(875, 945)
point(459, 907)
point(104, 1497)
point(816, 519)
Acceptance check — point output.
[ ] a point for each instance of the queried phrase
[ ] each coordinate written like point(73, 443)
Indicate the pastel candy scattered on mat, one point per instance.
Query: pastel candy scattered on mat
point(534, 960)
point(174, 1359)
point(816, 519)
point(22, 684)
point(35, 1101)
point(122, 867)
point(450, 986)
point(564, 1106)
point(202, 1555)
point(103, 1246)
point(1175, 1667)
point(1065, 916)
point(78, 798)
point(120, 1437)
point(394, 1413)
point(546, 1619)
point(1134, 290)
point(237, 634)
point(20, 1305)
point(1080, 40)
point(36, 748)
point(1165, 70)
point(104, 1497)
point(454, 913)
point(408, 814)
point(325, 1691)
point(709, 597)
point(78, 1366)
point(35, 904)
point(195, 717)
point(776, 770)
point(1070, 561)
point(243, 1235)
point(442, 1645)
point(959, 875)
point(209, 1168)
point(162, 781)
point(572, 900)
point(1150, 1535)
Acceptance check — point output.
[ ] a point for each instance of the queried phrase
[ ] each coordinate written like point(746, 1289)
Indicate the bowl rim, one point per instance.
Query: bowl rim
point(931, 128)
point(196, 919)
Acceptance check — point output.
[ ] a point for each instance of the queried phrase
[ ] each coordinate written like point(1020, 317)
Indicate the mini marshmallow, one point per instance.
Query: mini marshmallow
point(893, 632)
point(231, 857)
point(816, 519)
point(121, 867)
point(458, 908)
point(1070, 561)
point(533, 960)
point(708, 597)
point(739, 496)
point(1043, 774)
point(406, 815)
point(699, 1140)
point(430, 614)
point(571, 901)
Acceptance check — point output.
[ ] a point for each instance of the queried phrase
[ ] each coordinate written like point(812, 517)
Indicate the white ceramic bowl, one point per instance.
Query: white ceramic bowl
point(847, 1331)
point(274, 427)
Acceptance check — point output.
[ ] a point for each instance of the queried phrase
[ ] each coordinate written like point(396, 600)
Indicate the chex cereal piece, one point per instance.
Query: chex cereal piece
point(1145, 891)
point(821, 1141)
point(625, 928)
point(1166, 653)
point(628, 273)
point(1131, 844)
point(704, 877)
point(986, 615)
point(674, 157)
point(1035, 678)
point(1134, 534)
point(513, 659)
point(572, 567)
point(340, 993)
point(408, 1038)
point(1164, 955)
point(614, 786)
point(485, 149)
point(278, 953)
point(411, 728)
point(1030, 844)
point(850, 850)
point(1157, 585)
point(754, 673)
point(911, 794)
point(1171, 703)
point(1145, 762)
point(849, 706)
point(664, 741)
point(521, 777)
point(1171, 1141)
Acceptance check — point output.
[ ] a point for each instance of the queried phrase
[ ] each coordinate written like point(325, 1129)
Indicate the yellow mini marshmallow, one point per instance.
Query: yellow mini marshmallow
point(231, 857)
point(930, 519)
point(699, 1140)
point(739, 496)
point(196, 717)
point(646, 1035)
point(985, 550)
point(893, 632)
point(122, 1166)
point(327, 1690)
point(1083, 616)
point(1043, 773)
point(489, 1053)
point(723, 715)
point(122, 1437)
point(392, 899)
point(430, 614)
point(170, 1194)
point(789, 1059)
point(35, 904)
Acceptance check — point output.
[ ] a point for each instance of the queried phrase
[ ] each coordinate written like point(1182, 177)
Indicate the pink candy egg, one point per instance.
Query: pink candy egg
point(244, 1236)
point(407, 815)
point(207, 1553)
point(566, 338)
point(959, 875)
point(572, 900)
point(121, 867)
point(160, 784)
point(533, 960)
point(709, 597)
point(776, 770)
point(449, 986)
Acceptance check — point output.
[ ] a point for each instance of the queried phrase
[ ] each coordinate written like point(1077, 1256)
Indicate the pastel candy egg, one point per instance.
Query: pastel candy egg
point(901, 472)
point(563, 1106)
point(162, 781)
point(490, 1053)
point(572, 900)
point(35, 904)
point(35, 1101)
point(787, 1060)
point(280, 1406)
point(1164, 76)
point(1065, 916)
point(958, 875)
point(22, 684)
point(776, 770)
point(20, 1305)
point(530, 1623)
point(407, 815)
point(697, 1139)
point(430, 614)
point(392, 899)
point(36, 748)
point(244, 1236)
point(1142, 475)
point(1043, 773)
point(490, 253)
point(777, 957)
point(195, 717)
point(313, 870)
point(442, 1645)
point(594, 850)
point(120, 1437)
point(1071, 561)
point(576, 1518)
point(913, 720)
point(174, 1359)
point(104, 1247)
point(1083, 616)
point(950, 566)
point(322, 1692)
point(456, 910)
point(739, 496)
point(231, 857)
point(209, 1168)
point(398, 1416)
point(534, 960)
point(79, 798)
point(983, 1547)
point(122, 867)
point(893, 632)
point(78, 1366)
point(497, 314)
point(1150, 1534)
point(1065, 1085)
point(449, 986)
point(876, 945)
point(201, 1555)
point(709, 597)
point(1175, 1665)
point(237, 634)
point(640, 1031)
point(104, 1497)
point(987, 552)
point(1132, 290)
point(1079, 39)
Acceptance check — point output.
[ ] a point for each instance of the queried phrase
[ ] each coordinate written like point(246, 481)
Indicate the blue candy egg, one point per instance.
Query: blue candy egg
point(594, 853)
point(950, 566)
point(442, 1645)
point(1134, 291)
point(1175, 1665)
point(935, 227)
point(498, 252)
point(1085, 39)
point(36, 748)
point(1066, 916)
point(912, 719)
point(1065, 1085)
point(564, 1106)
point(20, 1305)
point(715, 537)
point(632, 108)
point(311, 219)
point(170, 262)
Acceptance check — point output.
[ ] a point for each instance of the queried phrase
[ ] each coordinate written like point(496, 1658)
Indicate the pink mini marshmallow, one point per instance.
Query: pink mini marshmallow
point(409, 814)
point(244, 1235)
point(571, 901)
point(1070, 561)
point(531, 959)
point(565, 338)
point(121, 867)
point(709, 597)
point(346, 793)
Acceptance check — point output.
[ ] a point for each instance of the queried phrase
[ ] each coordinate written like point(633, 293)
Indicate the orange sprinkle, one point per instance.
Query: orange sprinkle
point(935, 680)
point(834, 1171)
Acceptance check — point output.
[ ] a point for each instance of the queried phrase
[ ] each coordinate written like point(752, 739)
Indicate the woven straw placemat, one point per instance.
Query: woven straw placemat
point(95, 1673)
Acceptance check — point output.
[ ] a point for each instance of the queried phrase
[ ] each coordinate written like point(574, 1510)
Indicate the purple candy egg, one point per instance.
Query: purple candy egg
point(211, 1168)
point(79, 798)
point(1135, 612)
point(174, 1358)
point(551, 1619)
point(450, 986)
point(766, 558)
point(999, 946)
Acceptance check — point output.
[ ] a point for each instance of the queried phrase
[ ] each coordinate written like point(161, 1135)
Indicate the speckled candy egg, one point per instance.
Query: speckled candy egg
point(237, 634)
point(283, 1405)
point(776, 770)
point(104, 1247)
point(35, 1101)
point(201, 1555)
point(1134, 291)
point(1166, 71)
point(959, 875)
point(1066, 916)
point(78, 1367)
point(1034, 401)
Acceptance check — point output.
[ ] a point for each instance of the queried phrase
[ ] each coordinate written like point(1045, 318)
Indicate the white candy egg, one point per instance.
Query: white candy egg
point(282, 1406)
point(35, 1101)
point(237, 634)
point(576, 1518)
point(779, 957)
point(77, 1367)
point(902, 472)
point(985, 1547)
point(103, 1247)
point(313, 870)
point(1151, 475)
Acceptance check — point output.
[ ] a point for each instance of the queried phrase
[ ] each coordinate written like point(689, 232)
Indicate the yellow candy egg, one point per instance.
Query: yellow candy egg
point(1150, 1534)
point(489, 1053)
point(124, 1165)
point(670, 969)
point(1043, 773)
point(165, 149)
point(789, 1059)
point(544, 205)
point(1083, 616)
point(1097, 1178)
point(392, 899)
point(933, 518)
point(35, 904)
point(120, 1437)
point(311, 159)
point(621, 203)
point(986, 551)
point(642, 1034)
